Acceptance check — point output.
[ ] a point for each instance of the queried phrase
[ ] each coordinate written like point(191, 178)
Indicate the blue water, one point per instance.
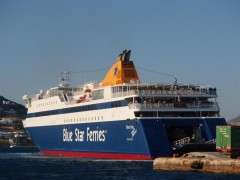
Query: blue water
point(35, 166)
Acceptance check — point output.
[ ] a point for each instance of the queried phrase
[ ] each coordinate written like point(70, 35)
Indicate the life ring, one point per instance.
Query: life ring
point(87, 90)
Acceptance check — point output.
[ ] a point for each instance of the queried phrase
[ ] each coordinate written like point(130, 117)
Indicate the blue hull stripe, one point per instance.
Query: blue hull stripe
point(84, 108)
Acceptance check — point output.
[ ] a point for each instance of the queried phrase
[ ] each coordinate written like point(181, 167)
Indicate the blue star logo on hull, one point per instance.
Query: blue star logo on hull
point(115, 71)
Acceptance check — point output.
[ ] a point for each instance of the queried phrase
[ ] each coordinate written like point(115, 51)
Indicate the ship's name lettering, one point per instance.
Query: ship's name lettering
point(67, 135)
point(89, 135)
point(95, 135)
point(79, 135)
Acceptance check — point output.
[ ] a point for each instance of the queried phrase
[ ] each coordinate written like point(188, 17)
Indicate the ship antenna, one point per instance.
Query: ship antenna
point(175, 82)
point(159, 73)
point(64, 79)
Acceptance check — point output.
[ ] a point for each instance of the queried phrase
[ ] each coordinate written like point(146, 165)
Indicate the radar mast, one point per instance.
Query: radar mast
point(64, 79)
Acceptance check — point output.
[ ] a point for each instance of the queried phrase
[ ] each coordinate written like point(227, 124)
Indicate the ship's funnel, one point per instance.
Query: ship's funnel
point(123, 71)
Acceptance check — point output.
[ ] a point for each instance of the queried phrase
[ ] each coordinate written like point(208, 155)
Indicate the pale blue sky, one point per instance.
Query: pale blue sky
point(198, 40)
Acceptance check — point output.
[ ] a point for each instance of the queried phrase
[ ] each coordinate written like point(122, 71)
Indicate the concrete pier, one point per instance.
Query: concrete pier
point(196, 161)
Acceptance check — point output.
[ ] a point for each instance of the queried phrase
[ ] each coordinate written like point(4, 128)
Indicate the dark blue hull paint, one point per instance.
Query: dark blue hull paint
point(137, 137)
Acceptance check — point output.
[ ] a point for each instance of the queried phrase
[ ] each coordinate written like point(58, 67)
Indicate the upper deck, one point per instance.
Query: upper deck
point(122, 82)
point(161, 90)
point(126, 90)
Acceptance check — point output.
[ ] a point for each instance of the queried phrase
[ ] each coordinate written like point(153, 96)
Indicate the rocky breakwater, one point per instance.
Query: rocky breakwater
point(194, 161)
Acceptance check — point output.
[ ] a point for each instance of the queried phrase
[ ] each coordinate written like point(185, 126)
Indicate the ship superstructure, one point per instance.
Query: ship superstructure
point(121, 118)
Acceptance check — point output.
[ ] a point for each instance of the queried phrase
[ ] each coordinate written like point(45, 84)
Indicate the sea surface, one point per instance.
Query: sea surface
point(36, 166)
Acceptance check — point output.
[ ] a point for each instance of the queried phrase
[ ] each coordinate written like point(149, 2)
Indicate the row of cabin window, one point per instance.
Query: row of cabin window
point(80, 108)
point(75, 120)
point(75, 109)
point(116, 104)
point(113, 104)
point(46, 104)
point(67, 110)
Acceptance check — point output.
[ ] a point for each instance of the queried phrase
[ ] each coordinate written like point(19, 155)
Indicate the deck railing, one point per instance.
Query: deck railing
point(165, 92)
point(211, 141)
point(181, 141)
point(171, 106)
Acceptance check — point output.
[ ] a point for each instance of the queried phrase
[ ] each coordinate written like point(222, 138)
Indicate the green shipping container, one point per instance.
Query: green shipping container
point(227, 138)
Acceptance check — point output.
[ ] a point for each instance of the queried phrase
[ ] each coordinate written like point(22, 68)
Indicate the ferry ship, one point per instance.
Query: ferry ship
point(121, 118)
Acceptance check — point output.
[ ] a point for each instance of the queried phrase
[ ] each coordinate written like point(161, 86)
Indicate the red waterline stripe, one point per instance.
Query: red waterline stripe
point(98, 155)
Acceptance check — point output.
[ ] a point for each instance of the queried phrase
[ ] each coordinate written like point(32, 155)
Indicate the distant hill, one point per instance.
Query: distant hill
point(235, 121)
point(10, 108)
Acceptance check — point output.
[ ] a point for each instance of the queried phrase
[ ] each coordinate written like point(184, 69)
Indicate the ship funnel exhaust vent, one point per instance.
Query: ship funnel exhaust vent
point(125, 56)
